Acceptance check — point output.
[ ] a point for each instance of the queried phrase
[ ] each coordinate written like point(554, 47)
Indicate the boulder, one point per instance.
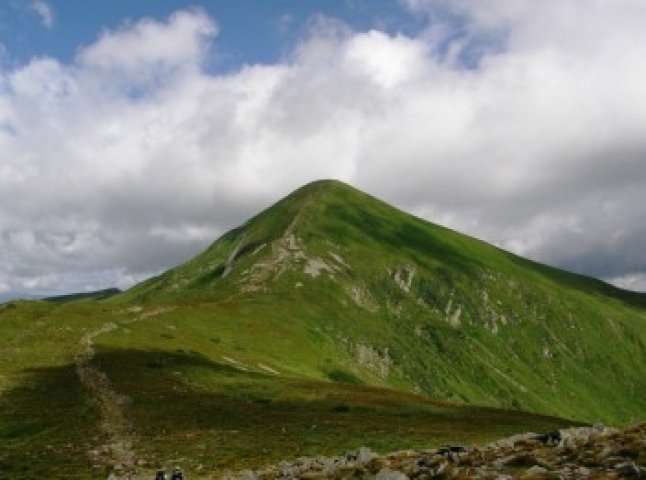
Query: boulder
point(629, 469)
point(535, 471)
point(387, 474)
point(247, 475)
point(364, 455)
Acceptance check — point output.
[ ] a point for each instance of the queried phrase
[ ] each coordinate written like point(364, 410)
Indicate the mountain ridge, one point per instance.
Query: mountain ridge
point(328, 321)
point(316, 188)
point(331, 251)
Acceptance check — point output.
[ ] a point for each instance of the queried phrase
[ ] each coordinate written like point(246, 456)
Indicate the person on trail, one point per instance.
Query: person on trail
point(177, 474)
point(161, 475)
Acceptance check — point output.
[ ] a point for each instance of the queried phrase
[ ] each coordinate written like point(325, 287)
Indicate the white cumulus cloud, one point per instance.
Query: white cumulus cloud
point(521, 123)
point(44, 11)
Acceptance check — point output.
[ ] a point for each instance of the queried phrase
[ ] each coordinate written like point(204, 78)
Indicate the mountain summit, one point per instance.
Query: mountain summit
point(327, 322)
point(413, 305)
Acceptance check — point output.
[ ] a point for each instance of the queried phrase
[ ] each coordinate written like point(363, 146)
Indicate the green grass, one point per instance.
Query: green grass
point(194, 348)
point(234, 421)
point(189, 406)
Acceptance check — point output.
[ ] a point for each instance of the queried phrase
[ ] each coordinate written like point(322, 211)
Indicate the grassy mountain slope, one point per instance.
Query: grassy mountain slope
point(393, 300)
point(330, 320)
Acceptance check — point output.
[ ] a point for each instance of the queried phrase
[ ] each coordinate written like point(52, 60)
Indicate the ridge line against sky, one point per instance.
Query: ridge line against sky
point(132, 134)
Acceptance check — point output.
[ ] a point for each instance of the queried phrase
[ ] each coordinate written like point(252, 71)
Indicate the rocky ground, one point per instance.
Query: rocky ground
point(590, 452)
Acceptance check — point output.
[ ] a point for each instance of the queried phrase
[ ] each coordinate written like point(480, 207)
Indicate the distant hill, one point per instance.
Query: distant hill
point(328, 321)
point(69, 297)
point(73, 297)
point(8, 296)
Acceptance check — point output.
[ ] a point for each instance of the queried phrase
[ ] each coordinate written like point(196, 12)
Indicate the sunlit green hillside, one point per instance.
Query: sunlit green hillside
point(329, 321)
point(351, 286)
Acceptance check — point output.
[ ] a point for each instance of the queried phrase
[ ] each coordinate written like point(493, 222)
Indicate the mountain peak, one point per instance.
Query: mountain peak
point(328, 218)
point(324, 183)
point(317, 188)
point(330, 306)
point(417, 305)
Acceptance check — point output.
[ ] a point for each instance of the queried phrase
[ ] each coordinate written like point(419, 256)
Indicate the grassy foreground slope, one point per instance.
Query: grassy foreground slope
point(198, 388)
point(329, 321)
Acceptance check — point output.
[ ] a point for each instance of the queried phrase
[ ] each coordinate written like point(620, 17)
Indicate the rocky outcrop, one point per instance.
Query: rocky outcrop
point(371, 358)
point(590, 452)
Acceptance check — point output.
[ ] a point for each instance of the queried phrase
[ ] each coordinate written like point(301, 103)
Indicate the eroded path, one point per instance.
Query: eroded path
point(115, 451)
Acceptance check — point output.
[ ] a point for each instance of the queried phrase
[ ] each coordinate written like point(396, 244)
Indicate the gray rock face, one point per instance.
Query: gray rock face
point(596, 452)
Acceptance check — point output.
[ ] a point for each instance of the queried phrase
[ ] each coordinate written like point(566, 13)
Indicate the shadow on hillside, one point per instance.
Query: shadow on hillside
point(413, 236)
point(46, 421)
point(186, 407)
point(585, 284)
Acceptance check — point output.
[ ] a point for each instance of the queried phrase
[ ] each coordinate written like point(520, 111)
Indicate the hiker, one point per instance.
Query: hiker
point(161, 475)
point(452, 453)
point(177, 474)
point(552, 438)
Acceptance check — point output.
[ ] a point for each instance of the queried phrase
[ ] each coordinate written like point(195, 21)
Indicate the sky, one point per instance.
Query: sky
point(133, 133)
